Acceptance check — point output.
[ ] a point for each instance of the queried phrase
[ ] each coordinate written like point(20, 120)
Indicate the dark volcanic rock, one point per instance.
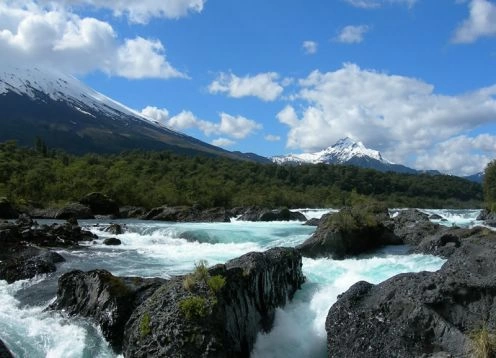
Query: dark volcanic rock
point(7, 211)
point(486, 215)
point(312, 222)
point(74, 210)
point(107, 299)
point(412, 226)
point(4, 351)
point(126, 212)
point(261, 214)
point(29, 263)
point(225, 323)
point(100, 204)
point(114, 229)
point(350, 232)
point(112, 241)
point(436, 217)
point(420, 314)
point(188, 214)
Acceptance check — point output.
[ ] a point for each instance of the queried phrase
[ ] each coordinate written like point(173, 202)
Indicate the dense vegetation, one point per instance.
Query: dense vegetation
point(490, 186)
point(149, 179)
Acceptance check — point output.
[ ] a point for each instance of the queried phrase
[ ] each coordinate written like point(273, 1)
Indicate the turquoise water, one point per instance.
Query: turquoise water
point(157, 249)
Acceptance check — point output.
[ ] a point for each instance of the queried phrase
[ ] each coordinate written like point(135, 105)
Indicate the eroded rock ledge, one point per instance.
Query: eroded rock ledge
point(214, 312)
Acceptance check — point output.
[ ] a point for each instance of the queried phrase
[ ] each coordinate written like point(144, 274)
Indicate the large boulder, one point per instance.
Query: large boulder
point(215, 313)
point(28, 263)
point(421, 314)
point(350, 232)
point(411, 226)
point(107, 299)
point(188, 214)
point(74, 210)
point(263, 214)
point(128, 212)
point(100, 204)
point(4, 351)
point(7, 211)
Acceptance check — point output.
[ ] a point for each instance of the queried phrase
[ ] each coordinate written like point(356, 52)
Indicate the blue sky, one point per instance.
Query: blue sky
point(415, 79)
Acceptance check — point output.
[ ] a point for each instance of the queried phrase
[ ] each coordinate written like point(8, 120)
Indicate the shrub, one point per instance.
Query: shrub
point(216, 283)
point(201, 271)
point(145, 329)
point(189, 282)
point(193, 307)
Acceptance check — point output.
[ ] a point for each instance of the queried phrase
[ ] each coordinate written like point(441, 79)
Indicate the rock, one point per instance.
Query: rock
point(114, 229)
point(350, 232)
point(43, 213)
point(411, 226)
point(420, 314)
point(29, 263)
point(485, 215)
point(112, 241)
point(74, 210)
point(4, 351)
point(128, 212)
point(436, 217)
point(312, 222)
point(261, 214)
point(187, 214)
point(7, 211)
point(100, 204)
point(198, 236)
point(196, 321)
point(107, 299)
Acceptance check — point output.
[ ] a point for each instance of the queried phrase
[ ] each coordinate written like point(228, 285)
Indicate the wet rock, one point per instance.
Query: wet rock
point(196, 321)
point(112, 241)
point(7, 211)
point(74, 210)
point(128, 212)
point(263, 214)
point(4, 351)
point(436, 217)
point(107, 299)
point(114, 229)
point(198, 236)
point(100, 204)
point(411, 226)
point(188, 214)
point(350, 232)
point(420, 314)
point(486, 215)
point(312, 222)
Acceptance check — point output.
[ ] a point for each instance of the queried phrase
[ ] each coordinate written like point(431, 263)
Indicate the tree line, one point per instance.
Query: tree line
point(41, 176)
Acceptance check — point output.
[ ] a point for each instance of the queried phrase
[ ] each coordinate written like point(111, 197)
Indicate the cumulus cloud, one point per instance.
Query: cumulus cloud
point(310, 47)
point(272, 138)
point(50, 35)
point(352, 34)
point(265, 86)
point(237, 127)
point(223, 142)
point(481, 22)
point(155, 114)
point(395, 114)
point(374, 4)
point(141, 11)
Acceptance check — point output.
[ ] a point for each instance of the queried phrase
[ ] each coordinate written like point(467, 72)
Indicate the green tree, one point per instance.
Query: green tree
point(490, 186)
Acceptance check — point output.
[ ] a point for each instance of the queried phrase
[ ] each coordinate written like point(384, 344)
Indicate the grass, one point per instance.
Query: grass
point(193, 307)
point(215, 283)
point(484, 343)
point(145, 328)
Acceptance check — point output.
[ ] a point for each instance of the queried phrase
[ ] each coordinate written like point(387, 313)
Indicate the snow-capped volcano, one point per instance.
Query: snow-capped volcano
point(67, 114)
point(345, 151)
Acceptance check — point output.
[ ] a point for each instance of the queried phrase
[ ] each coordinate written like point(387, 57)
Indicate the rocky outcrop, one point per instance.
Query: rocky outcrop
point(420, 314)
point(128, 212)
point(7, 211)
point(207, 319)
point(262, 214)
point(100, 204)
point(4, 351)
point(114, 229)
point(107, 299)
point(350, 232)
point(74, 210)
point(28, 263)
point(112, 241)
point(411, 226)
point(188, 214)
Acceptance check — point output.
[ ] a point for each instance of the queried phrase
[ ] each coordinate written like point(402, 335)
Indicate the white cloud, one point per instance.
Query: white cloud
point(51, 36)
point(310, 47)
point(395, 114)
point(223, 142)
point(352, 34)
point(481, 22)
point(141, 11)
point(237, 127)
point(272, 138)
point(374, 4)
point(160, 115)
point(263, 85)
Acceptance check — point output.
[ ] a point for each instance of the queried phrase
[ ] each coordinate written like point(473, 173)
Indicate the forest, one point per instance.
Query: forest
point(42, 177)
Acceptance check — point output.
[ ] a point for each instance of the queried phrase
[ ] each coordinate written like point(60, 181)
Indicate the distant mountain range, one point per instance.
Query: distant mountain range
point(346, 151)
point(67, 114)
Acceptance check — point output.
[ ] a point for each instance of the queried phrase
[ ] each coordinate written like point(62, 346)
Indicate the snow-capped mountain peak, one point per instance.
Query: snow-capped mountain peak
point(344, 151)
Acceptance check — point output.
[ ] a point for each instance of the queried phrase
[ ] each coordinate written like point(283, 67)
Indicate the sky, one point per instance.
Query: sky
point(414, 79)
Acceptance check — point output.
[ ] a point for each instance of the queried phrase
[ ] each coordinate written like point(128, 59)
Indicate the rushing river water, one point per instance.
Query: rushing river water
point(158, 249)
